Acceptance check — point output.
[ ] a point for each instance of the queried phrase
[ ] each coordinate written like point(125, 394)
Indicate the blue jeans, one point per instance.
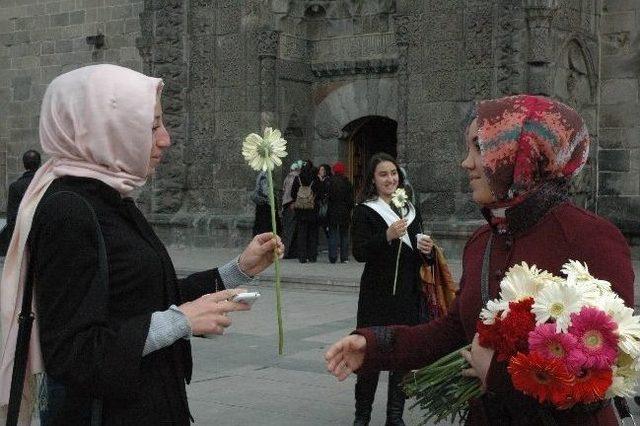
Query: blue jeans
point(341, 234)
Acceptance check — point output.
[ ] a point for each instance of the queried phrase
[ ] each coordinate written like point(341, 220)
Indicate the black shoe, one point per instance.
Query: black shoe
point(312, 260)
point(302, 260)
point(333, 260)
point(361, 422)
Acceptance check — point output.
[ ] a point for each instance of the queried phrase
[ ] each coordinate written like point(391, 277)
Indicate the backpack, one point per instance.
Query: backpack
point(305, 199)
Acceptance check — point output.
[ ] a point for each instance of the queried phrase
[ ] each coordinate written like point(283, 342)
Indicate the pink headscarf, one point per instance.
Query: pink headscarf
point(95, 122)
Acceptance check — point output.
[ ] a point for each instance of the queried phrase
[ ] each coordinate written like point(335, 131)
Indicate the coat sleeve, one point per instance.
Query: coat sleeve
point(81, 345)
point(197, 285)
point(369, 242)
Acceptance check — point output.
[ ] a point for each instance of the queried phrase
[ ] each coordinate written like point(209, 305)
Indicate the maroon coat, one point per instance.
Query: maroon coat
point(564, 232)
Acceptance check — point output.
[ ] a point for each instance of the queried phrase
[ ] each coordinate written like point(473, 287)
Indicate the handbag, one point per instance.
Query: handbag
point(25, 320)
point(438, 287)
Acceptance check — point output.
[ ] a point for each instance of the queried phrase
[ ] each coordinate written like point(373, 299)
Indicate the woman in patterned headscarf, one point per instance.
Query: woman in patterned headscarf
point(522, 153)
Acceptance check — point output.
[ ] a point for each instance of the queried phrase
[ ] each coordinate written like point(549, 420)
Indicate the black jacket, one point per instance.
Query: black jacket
point(376, 304)
point(340, 196)
point(92, 335)
point(16, 192)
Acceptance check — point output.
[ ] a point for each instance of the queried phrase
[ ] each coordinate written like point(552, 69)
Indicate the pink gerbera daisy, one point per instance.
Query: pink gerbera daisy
point(545, 340)
point(597, 340)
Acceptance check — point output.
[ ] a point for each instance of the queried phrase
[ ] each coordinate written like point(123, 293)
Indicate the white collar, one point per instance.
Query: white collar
point(386, 212)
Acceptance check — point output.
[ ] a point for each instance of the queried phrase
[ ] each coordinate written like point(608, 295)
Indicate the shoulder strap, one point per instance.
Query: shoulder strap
point(25, 320)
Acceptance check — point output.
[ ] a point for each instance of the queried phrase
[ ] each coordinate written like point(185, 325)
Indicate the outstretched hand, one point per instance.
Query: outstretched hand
point(346, 355)
point(259, 253)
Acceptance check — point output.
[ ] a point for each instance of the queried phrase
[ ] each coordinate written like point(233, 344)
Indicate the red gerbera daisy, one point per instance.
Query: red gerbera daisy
point(489, 334)
point(591, 384)
point(547, 380)
point(515, 328)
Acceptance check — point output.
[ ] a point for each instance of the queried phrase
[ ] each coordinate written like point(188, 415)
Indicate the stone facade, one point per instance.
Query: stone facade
point(325, 71)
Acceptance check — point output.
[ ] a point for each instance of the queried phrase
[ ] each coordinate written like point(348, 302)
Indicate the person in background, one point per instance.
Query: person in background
point(260, 197)
point(340, 204)
point(525, 200)
point(323, 178)
point(31, 162)
point(378, 232)
point(113, 322)
point(305, 192)
point(288, 213)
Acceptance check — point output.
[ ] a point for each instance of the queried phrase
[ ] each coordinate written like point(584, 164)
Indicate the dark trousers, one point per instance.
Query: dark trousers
point(262, 222)
point(338, 234)
point(307, 237)
point(366, 386)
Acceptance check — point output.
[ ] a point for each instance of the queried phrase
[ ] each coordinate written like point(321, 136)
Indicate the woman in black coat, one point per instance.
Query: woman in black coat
point(378, 231)
point(112, 322)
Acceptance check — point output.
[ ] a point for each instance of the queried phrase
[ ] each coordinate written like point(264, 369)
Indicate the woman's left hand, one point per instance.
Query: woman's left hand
point(479, 358)
point(259, 253)
point(425, 244)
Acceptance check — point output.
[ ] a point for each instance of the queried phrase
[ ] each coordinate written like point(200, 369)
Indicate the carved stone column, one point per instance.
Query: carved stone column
point(539, 14)
point(267, 52)
point(402, 24)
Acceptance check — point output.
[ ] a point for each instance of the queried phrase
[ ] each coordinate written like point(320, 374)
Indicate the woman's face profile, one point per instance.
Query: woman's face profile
point(161, 139)
point(385, 178)
point(480, 189)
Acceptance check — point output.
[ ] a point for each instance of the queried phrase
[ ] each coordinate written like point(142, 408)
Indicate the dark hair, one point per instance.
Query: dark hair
point(31, 160)
point(369, 188)
point(327, 169)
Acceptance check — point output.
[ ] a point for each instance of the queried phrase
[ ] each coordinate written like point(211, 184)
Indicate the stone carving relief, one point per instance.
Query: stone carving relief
point(575, 80)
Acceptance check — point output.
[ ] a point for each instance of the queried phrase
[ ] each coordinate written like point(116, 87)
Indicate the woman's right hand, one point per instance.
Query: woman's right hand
point(346, 355)
point(397, 229)
point(208, 314)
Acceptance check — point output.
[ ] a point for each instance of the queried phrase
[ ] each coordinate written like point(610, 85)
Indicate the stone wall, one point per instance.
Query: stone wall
point(619, 154)
point(39, 40)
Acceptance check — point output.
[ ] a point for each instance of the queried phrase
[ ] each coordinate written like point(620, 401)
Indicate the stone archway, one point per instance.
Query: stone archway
point(350, 102)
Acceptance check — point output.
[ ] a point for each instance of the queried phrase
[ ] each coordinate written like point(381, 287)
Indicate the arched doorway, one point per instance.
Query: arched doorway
point(365, 137)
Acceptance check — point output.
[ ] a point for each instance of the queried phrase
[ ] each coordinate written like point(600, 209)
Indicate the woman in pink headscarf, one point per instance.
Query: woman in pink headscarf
point(113, 338)
point(522, 152)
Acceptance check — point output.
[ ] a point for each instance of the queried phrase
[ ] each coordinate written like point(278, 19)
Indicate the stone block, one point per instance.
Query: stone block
point(611, 183)
point(228, 18)
point(436, 205)
point(229, 56)
point(443, 85)
point(59, 20)
point(613, 160)
point(132, 25)
point(634, 159)
point(611, 138)
point(77, 17)
point(622, 115)
point(21, 88)
point(618, 21)
point(52, 8)
point(115, 27)
point(47, 47)
point(616, 91)
point(618, 67)
point(63, 46)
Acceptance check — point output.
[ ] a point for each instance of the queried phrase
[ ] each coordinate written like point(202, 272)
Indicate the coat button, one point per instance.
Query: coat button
point(499, 273)
point(508, 242)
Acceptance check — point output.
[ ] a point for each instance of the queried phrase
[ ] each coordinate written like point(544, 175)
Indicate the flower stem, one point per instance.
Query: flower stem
point(276, 263)
point(395, 277)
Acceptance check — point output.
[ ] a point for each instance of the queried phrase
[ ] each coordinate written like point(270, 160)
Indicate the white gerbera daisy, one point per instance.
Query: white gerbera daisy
point(624, 377)
point(556, 301)
point(399, 198)
point(522, 282)
point(628, 331)
point(494, 307)
point(264, 153)
point(578, 274)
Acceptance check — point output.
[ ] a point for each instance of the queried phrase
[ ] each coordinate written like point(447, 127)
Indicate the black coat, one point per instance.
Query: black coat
point(92, 335)
point(340, 196)
point(377, 305)
point(16, 192)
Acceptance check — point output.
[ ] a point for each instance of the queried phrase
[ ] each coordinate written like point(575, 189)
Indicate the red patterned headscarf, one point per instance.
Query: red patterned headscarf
point(526, 141)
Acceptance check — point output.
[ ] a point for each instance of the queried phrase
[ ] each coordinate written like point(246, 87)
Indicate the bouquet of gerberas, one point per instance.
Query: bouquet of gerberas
point(567, 341)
